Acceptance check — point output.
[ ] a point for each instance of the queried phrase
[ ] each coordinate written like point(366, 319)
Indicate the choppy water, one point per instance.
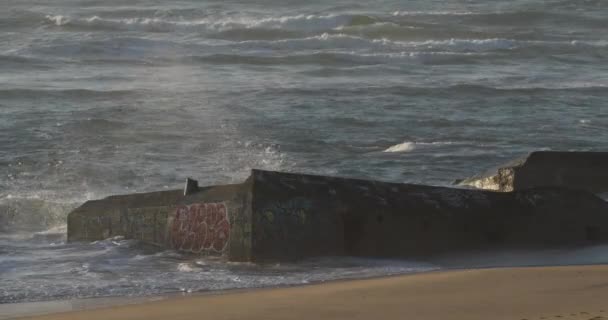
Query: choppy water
point(100, 97)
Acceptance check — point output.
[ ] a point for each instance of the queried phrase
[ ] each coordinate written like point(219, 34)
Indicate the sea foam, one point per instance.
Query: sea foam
point(401, 147)
point(297, 22)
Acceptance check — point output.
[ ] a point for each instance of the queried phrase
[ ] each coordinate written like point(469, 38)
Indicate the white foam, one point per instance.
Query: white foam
point(323, 41)
point(401, 147)
point(61, 229)
point(58, 20)
point(432, 13)
point(303, 22)
point(34, 211)
point(383, 48)
point(341, 40)
point(467, 44)
point(571, 85)
point(247, 155)
point(296, 22)
point(597, 43)
point(184, 267)
point(410, 145)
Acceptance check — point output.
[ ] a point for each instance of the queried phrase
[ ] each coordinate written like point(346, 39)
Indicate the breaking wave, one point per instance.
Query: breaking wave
point(300, 22)
point(22, 213)
point(432, 13)
point(345, 41)
point(531, 17)
point(520, 18)
point(410, 146)
point(321, 48)
point(334, 59)
point(153, 20)
point(401, 147)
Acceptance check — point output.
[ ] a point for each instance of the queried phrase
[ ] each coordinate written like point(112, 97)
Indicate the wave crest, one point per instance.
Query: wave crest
point(401, 147)
point(306, 23)
point(32, 214)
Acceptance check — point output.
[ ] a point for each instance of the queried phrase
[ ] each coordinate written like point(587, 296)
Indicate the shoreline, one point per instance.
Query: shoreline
point(573, 292)
point(19, 310)
point(41, 308)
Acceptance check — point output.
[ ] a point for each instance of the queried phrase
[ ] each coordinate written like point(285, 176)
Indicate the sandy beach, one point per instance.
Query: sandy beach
point(574, 292)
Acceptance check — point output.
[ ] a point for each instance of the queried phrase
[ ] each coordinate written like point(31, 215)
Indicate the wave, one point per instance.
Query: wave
point(19, 93)
point(130, 47)
point(482, 90)
point(524, 18)
point(593, 44)
point(31, 213)
point(414, 31)
point(408, 146)
point(467, 44)
point(307, 23)
point(328, 59)
point(113, 49)
point(16, 19)
point(432, 13)
point(456, 23)
point(493, 44)
point(340, 46)
point(516, 18)
point(334, 59)
point(319, 42)
point(583, 89)
point(401, 147)
point(341, 40)
point(345, 50)
point(24, 63)
point(254, 34)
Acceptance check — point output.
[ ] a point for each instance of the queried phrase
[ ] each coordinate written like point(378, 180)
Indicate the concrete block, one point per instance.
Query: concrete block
point(276, 216)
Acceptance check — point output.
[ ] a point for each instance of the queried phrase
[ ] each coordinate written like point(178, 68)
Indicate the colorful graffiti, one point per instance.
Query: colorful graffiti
point(203, 227)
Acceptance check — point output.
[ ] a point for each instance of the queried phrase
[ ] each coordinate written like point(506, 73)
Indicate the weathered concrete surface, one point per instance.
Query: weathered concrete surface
point(280, 216)
point(578, 170)
point(213, 221)
point(298, 216)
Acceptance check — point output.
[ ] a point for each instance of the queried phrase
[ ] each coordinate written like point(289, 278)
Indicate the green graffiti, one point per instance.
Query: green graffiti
point(269, 216)
point(295, 210)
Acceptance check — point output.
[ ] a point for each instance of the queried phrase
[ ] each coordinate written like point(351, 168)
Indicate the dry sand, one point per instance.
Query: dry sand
point(557, 293)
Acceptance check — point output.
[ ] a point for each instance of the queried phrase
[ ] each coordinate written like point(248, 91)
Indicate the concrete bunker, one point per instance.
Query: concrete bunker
point(285, 216)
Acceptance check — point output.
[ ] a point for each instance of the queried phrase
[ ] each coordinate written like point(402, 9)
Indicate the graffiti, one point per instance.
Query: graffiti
point(288, 225)
point(294, 210)
point(201, 227)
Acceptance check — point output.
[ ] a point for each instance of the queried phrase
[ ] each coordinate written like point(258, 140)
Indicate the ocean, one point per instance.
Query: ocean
point(101, 97)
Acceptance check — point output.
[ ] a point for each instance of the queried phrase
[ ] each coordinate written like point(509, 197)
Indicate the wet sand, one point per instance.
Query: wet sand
point(574, 292)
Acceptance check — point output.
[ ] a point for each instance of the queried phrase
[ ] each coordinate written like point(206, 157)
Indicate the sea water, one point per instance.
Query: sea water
point(101, 97)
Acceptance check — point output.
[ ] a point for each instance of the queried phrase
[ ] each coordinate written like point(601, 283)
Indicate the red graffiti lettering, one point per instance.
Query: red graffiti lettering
point(200, 227)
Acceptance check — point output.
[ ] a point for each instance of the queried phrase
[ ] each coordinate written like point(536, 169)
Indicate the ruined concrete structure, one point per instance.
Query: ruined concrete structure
point(282, 216)
point(578, 170)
